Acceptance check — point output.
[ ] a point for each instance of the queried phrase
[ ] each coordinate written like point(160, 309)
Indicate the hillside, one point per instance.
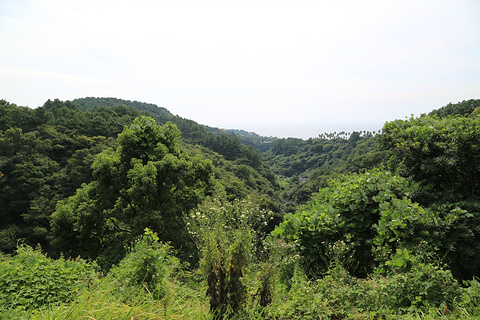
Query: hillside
point(192, 132)
point(359, 225)
point(302, 166)
point(48, 152)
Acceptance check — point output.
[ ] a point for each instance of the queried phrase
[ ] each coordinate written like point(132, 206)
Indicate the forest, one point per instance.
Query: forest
point(118, 209)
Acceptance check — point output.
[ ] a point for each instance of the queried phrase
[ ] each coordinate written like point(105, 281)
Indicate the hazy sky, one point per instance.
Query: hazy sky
point(282, 68)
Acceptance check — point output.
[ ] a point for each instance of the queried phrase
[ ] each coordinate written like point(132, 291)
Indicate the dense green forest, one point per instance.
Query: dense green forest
point(137, 213)
point(47, 154)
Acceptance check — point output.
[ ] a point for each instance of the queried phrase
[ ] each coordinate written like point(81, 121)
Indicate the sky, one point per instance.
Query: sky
point(277, 68)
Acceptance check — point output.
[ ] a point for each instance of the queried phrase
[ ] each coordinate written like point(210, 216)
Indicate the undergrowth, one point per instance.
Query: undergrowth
point(150, 284)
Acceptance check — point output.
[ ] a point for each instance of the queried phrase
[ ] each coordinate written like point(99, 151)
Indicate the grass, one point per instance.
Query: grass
point(102, 303)
point(335, 296)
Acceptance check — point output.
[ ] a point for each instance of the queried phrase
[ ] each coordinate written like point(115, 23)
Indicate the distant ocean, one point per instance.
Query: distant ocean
point(306, 131)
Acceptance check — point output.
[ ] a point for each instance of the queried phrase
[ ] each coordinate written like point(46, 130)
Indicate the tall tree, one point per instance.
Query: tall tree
point(146, 182)
point(441, 153)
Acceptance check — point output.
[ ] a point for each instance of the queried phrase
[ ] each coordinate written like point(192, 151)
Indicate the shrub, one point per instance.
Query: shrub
point(424, 285)
point(370, 214)
point(147, 266)
point(31, 280)
point(470, 298)
point(227, 234)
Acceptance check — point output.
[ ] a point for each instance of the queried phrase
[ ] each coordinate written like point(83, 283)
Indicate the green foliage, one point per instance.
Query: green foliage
point(422, 286)
point(459, 243)
point(12, 115)
point(145, 285)
point(374, 252)
point(260, 143)
point(230, 170)
point(148, 265)
point(47, 153)
point(463, 108)
point(370, 213)
point(470, 297)
point(305, 166)
point(99, 120)
point(105, 300)
point(299, 301)
point(31, 280)
point(80, 234)
point(442, 154)
point(425, 289)
point(145, 182)
point(43, 161)
point(227, 234)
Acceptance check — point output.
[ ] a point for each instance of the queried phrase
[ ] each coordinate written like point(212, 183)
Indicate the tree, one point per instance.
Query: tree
point(440, 153)
point(147, 182)
point(443, 155)
point(463, 108)
point(366, 218)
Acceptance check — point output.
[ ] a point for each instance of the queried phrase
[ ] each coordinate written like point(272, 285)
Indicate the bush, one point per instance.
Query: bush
point(228, 234)
point(31, 280)
point(148, 265)
point(470, 298)
point(424, 285)
point(371, 214)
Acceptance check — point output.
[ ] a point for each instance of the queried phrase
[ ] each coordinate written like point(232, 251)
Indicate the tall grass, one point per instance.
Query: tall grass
point(103, 303)
point(336, 296)
point(303, 300)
